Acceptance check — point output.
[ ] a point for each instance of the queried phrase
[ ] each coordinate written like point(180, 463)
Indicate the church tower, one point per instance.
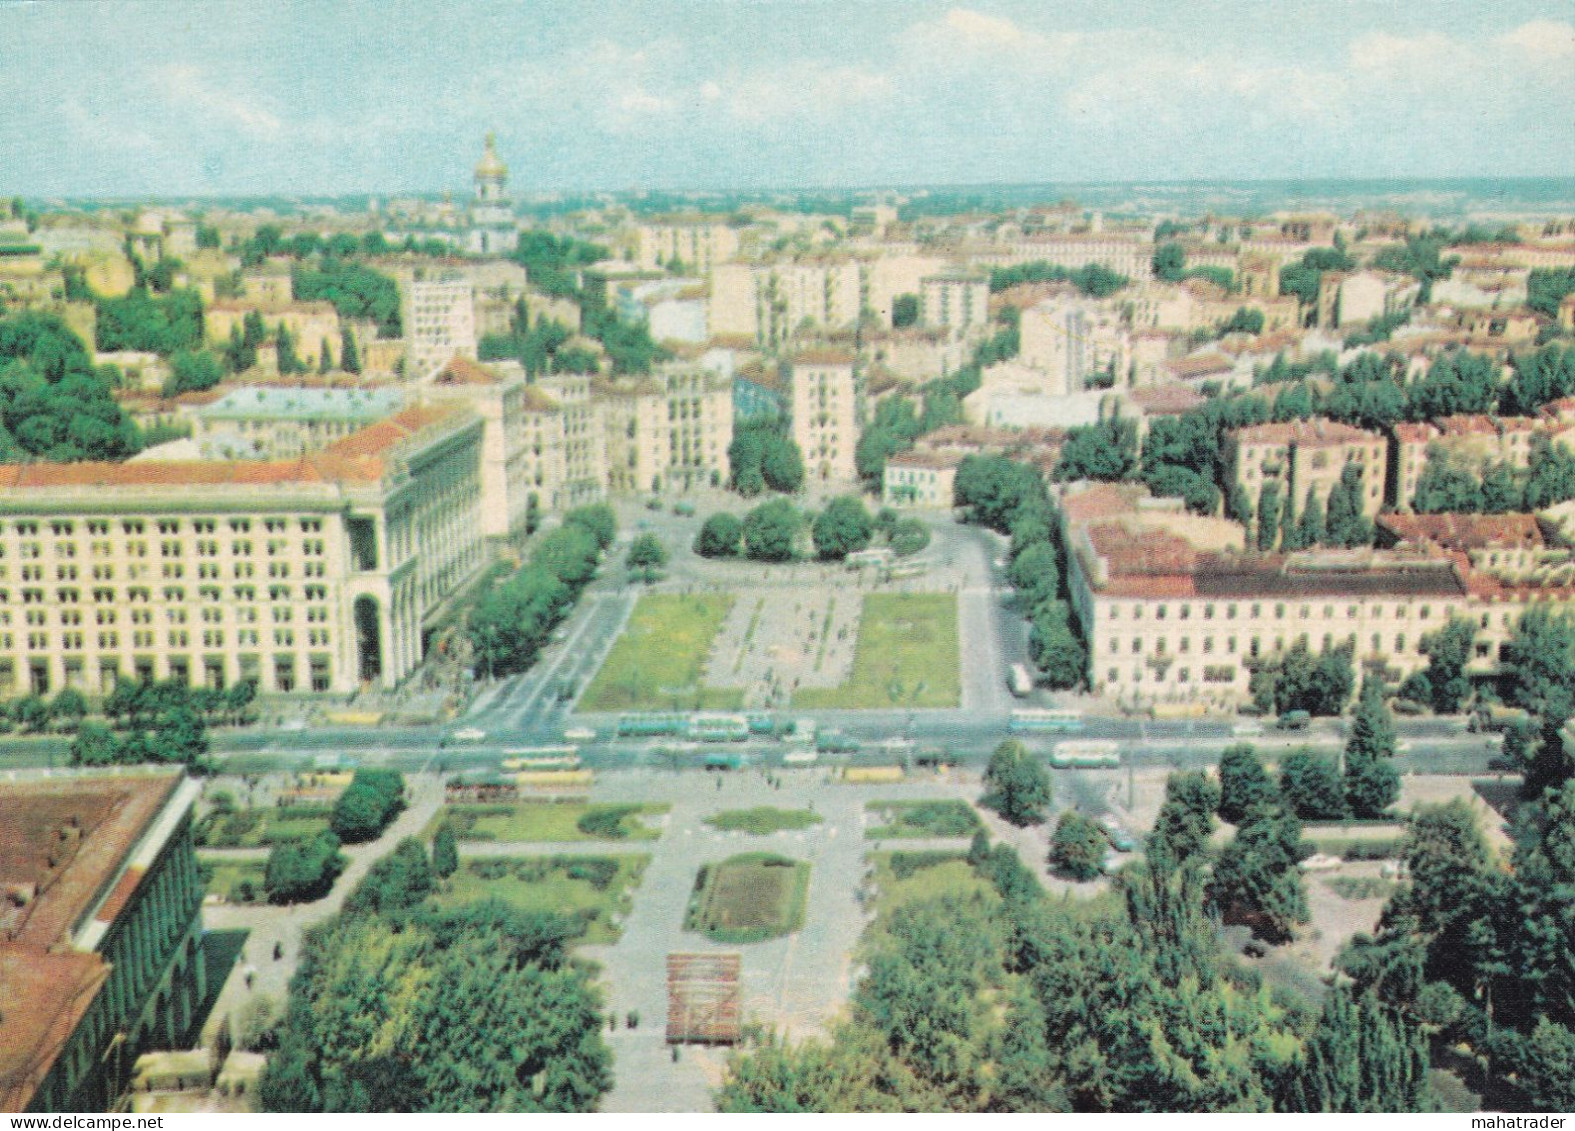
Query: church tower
point(492, 227)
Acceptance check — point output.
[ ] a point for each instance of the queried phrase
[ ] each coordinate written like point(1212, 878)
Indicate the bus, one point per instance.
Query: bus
point(542, 758)
point(1020, 680)
point(1039, 720)
point(652, 724)
point(718, 728)
point(1087, 755)
point(879, 558)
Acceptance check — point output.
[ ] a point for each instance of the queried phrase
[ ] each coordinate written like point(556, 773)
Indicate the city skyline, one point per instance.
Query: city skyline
point(329, 99)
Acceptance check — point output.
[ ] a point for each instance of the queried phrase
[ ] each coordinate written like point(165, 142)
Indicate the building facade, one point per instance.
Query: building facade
point(315, 574)
point(1305, 455)
point(823, 406)
point(100, 934)
point(440, 323)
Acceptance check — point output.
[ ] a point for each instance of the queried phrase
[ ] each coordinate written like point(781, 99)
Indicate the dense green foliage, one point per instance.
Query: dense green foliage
point(1244, 783)
point(1094, 280)
point(770, 531)
point(1372, 784)
point(1312, 786)
point(1256, 879)
point(164, 324)
point(844, 527)
point(159, 722)
point(355, 290)
point(510, 625)
point(1297, 680)
point(371, 800)
point(720, 536)
point(1016, 784)
point(646, 556)
point(54, 404)
point(303, 870)
point(1107, 451)
point(1078, 846)
point(763, 455)
point(1010, 1001)
point(398, 1007)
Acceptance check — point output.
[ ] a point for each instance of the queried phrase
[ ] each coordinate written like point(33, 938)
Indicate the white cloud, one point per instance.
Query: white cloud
point(1543, 40)
point(802, 89)
point(186, 88)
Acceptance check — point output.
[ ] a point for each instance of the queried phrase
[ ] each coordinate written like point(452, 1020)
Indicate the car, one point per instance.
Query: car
point(1247, 729)
point(1119, 838)
point(469, 734)
point(1320, 862)
point(579, 734)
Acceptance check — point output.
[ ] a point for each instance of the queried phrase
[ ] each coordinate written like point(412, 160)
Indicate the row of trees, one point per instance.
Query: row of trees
point(509, 626)
point(1010, 498)
point(1095, 280)
point(158, 722)
point(54, 403)
point(401, 1006)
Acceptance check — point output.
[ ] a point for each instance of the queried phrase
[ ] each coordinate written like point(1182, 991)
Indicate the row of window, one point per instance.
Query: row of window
point(65, 527)
point(175, 638)
point(170, 593)
point(1303, 612)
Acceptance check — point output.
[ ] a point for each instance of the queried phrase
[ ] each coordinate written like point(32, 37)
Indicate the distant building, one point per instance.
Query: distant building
point(955, 302)
point(100, 934)
point(824, 409)
point(1307, 454)
point(920, 479)
point(440, 323)
point(493, 229)
point(260, 422)
point(1080, 343)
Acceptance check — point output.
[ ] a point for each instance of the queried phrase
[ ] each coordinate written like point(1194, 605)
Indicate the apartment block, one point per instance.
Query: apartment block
point(823, 406)
point(1308, 454)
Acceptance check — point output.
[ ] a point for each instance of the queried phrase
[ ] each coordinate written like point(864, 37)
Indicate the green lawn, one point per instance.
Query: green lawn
point(901, 877)
point(911, 819)
point(234, 881)
point(592, 889)
point(550, 819)
point(906, 656)
point(657, 662)
point(749, 898)
point(762, 821)
point(259, 828)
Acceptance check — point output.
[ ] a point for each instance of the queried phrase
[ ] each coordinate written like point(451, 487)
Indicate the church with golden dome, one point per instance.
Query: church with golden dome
point(493, 227)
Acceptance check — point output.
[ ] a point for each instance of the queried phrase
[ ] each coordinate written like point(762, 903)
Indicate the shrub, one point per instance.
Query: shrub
point(606, 821)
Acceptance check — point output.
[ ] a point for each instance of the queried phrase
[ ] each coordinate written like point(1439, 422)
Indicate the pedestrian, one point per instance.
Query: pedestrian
point(278, 951)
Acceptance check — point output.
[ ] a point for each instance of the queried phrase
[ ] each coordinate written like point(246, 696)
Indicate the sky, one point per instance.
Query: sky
point(179, 97)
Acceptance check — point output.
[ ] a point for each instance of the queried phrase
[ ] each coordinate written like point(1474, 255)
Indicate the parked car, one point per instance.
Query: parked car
point(469, 734)
point(1119, 838)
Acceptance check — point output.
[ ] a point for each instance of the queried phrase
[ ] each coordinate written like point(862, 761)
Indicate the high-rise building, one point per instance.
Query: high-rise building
point(440, 323)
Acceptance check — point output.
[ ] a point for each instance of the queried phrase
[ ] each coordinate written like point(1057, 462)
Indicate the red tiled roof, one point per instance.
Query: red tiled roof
point(461, 370)
point(1466, 531)
point(1314, 432)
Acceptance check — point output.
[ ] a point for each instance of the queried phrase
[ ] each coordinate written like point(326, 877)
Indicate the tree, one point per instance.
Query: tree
point(1186, 819)
point(1362, 1057)
point(1346, 525)
point(1539, 665)
point(445, 852)
point(302, 870)
point(1106, 451)
point(192, 371)
point(771, 530)
point(1309, 528)
point(782, 464)
point(94, 745)
point(908, 536)
point(995, 489)
point(843, 528)
point(1372, 784)
point(1244, 783)
point(69, 707)
point(1269, 515)
point(349, 353)
point(719, 536)
point(1016, 785)
point(1547, 1068)
point(646, 556)
point(904, 311)
point(368, 804)
point(596, 519)
point(284, 342)
point(1035, 574)
point(1257, 880)
point(1170, 262)
point(1312, 787)
point(1447, 486)
point(400, 881)
point(1054, 648)
point(1077, 850)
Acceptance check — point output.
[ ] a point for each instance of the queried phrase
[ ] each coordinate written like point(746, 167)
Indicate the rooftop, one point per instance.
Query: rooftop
point(362, 457)
point(1305, 433)
point(62, 843)
point(263, 403)
point(1466, 531)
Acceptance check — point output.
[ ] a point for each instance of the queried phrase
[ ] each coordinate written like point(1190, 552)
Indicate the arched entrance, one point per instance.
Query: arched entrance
point(368, 639)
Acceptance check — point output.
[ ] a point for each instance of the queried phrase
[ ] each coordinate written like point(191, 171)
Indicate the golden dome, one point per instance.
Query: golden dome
point(490, 165)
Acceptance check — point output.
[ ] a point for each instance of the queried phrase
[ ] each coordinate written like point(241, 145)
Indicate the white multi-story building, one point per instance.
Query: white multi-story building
point(440, 323)
point(956, 302)
point(309, 574)
point(823, 405)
